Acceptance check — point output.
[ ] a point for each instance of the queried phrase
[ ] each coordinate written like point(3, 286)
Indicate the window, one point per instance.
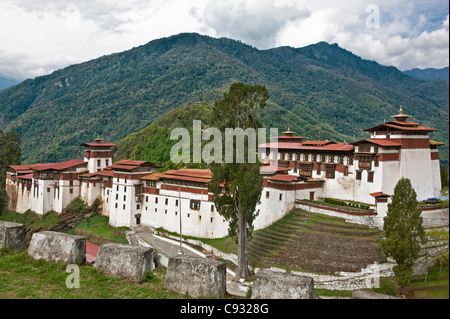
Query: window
point(358, 175)
point(364, 148)
point(117, 196)
point(365, 162)
point(48, 189)
point(329, 171)
point(138, 206)
point(124, 198)
point(345, 170)
point(98, 162)
point(167, 201)
point(377, 161)
point(146, 199)
point(195, 204)
point(305, 170)
point(156, 200)
point(319, 168)
point(212, 208)
point(116, 205)
point(124, 206)
point(267, 194)
point(370, 177)
point(106, 162)
point(281, 196)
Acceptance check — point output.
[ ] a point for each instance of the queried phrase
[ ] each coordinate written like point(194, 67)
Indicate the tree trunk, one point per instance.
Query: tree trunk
point(242, 271)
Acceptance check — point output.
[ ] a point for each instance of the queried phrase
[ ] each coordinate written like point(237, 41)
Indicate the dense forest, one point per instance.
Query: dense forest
point(320, 89)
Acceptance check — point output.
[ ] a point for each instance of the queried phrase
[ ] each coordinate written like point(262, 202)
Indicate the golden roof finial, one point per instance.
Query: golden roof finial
point(401, 117)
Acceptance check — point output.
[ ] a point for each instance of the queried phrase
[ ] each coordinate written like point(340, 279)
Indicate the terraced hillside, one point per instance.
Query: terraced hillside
point(315, 243)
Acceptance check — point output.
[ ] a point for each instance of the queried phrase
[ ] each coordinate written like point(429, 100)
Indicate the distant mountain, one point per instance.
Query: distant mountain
point(6, 83)
point(429, 74)
point(320, 88)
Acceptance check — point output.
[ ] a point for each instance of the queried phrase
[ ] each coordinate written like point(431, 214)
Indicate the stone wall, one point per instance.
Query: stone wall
point(361, 294)
point(119, 260)
point(12, 236)
point(196, 276)
point(278, 285)
point(58, 247)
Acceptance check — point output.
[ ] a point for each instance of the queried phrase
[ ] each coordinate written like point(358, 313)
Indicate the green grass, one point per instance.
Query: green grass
point(22, 277)
point(225, 244)
point(436, 287)
point(97, 230)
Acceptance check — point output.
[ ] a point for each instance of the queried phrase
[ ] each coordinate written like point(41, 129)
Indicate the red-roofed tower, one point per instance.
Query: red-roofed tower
point(98, 155)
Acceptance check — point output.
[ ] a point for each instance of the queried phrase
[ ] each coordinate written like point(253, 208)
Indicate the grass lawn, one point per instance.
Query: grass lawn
point(98, 231)
point(22, 277)
point(436, 287)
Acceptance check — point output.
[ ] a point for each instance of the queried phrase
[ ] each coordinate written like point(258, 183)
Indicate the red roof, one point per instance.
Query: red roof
point(379, 194)
point(185, 178)
point(379, 141)
point(26, 176)
point(402, 126)
point(99, 144)
point(56, 166)
point(284, 177)
point(131, 162)
point(273, 168)
point(123, 167)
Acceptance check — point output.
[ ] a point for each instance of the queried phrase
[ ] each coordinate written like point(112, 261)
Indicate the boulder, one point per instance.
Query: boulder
point(282, 285)
point(196, 276)
point(12, 236)
point(58, 247)
point(127, 261)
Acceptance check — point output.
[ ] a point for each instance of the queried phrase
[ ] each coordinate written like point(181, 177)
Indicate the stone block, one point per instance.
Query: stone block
point(13, 236)
point(362, 294)
point(282, 285)
point(126, 261)
point(196, 276)
point(58, 247)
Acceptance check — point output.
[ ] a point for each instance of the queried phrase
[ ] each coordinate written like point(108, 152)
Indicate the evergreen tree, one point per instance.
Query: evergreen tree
point(10, 153)
point(237, 186)
point(403, 232)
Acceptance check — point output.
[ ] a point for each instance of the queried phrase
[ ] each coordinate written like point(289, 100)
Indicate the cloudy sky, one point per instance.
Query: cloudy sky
point(40, 36)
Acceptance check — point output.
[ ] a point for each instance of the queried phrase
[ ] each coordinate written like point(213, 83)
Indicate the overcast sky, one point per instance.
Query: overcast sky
point(40, 36)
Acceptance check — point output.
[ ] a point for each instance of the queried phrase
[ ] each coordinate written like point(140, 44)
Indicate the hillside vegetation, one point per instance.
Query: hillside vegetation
point(320, 88)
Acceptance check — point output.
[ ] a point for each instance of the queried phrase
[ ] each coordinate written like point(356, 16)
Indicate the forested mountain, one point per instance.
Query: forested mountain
point(320, 88)
point(429, 74)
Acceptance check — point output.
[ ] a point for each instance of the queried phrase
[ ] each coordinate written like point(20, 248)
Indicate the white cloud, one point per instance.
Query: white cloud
point(252, 21)
point(39, 36)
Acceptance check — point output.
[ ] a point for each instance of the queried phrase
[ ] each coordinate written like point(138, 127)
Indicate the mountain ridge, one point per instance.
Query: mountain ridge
point(320, 88)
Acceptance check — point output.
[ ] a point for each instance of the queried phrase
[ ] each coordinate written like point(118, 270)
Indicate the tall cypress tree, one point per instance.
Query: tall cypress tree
point(403, 232)
point(237, 186)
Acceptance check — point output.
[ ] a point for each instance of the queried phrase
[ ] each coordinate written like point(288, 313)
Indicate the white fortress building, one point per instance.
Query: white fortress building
point(134, 192)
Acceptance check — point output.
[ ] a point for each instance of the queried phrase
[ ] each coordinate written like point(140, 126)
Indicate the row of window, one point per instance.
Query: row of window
point(318, 158)
point(194, 203)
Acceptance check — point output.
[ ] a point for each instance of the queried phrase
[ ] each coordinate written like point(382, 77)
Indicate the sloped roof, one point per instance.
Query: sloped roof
point(379, 141)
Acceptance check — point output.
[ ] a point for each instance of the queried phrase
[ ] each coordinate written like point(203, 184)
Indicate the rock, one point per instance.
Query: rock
point(362, 294)
point(12, 236)
point(127, 261)
point(58, 247)
point(196, 276)
point(278, 285)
